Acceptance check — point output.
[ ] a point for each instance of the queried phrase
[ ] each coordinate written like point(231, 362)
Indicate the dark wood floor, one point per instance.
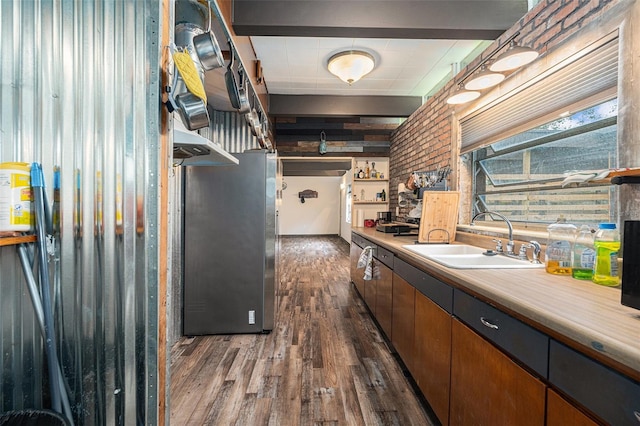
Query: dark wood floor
point(324, 363)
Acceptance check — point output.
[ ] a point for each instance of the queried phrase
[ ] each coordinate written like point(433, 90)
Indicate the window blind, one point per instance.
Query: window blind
point(592, 77)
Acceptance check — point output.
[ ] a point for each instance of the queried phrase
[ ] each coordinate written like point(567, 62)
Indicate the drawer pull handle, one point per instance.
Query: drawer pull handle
point(488, 324)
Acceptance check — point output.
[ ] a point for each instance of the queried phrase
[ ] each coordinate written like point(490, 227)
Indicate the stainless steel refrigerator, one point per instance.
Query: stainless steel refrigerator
point(229, 248)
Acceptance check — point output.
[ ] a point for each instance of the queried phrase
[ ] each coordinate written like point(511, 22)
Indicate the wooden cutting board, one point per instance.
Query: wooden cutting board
point(439, 216)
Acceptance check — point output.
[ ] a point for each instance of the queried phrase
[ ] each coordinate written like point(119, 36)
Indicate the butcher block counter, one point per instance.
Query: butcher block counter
point(580, 313)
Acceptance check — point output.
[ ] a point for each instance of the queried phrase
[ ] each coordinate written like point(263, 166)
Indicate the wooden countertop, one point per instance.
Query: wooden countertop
point(581, 314)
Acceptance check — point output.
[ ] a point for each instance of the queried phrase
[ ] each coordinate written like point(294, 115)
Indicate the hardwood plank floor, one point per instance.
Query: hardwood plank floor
point(325, 362)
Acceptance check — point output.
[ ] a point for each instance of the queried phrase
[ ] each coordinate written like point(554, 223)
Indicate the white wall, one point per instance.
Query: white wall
point(345, 228)
point(317, 216)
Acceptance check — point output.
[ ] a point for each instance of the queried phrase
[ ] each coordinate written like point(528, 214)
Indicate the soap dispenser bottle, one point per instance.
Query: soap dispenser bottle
point(557, 257)
point(607, 245)
point(583, 254)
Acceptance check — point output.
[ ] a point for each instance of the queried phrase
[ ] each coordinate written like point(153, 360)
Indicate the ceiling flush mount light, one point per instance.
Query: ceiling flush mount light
point(351, 66)
point(463, 96)
point(515, 57)
point(483, 79)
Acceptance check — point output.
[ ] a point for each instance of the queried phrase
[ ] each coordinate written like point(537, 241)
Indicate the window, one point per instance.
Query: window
point(521, 176)
point(347, 204)
point(560, 117)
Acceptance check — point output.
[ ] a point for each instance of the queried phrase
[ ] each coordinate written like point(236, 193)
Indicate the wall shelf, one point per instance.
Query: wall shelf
point(365, 191)
point(370, 202)
point(10, 241)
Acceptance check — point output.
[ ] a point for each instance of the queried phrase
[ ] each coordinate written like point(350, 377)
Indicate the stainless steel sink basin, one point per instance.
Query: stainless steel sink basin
point(461, 256)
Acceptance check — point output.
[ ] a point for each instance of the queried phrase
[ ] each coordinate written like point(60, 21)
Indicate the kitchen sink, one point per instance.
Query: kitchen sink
point(438, 249)
point(462, 256)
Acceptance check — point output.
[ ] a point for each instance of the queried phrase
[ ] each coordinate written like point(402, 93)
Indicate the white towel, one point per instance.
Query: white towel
point(584, 176)
point(366, 261)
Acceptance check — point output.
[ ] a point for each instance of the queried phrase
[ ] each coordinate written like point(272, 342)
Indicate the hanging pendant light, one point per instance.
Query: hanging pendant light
point(350, 66)
point(515, 57)
point(463, 96)
point(483, 79)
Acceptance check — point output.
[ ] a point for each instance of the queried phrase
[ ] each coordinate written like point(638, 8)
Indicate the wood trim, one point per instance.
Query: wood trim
point(245, 51)
point(9, 241)
point(164, 158)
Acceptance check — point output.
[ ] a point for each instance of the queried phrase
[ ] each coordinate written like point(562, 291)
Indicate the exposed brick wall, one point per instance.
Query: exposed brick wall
point(425, 140)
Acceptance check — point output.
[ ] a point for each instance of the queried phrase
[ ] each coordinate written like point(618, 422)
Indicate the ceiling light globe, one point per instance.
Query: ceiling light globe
point(351, 66)
point(483, 80)
point(462, 97)
point(514, 57)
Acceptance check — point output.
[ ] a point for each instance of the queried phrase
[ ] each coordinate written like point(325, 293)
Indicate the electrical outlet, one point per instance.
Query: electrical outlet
point(252, 317)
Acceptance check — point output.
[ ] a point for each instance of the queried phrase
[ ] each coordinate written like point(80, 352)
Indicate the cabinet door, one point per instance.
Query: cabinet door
point(402, 321)
point(370, 287)
point(384, 299)
point(356, 274)
point(433, 354)
point(488, 388)
point(561, 413)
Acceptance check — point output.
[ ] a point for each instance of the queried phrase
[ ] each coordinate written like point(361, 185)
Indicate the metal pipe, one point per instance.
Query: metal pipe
point(38, 309)
point(37, 184)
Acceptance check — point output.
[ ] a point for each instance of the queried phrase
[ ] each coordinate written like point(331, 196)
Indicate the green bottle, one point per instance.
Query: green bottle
point(583, 254)
point(607, 245)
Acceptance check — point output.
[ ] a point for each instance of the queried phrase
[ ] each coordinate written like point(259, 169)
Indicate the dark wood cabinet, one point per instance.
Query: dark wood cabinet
point(370, 287)
point(561, 412)
point(402, 322)
point(606, 393)
point(384, 299)
point(487, 387)
point(432, 345)
point(356, 274)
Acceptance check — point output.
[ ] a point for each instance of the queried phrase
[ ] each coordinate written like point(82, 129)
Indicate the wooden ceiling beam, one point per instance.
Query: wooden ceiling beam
point(407, 19)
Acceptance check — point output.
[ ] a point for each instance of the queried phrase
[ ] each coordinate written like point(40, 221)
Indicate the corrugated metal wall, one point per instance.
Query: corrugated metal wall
point(232, 132)
point(79, 93)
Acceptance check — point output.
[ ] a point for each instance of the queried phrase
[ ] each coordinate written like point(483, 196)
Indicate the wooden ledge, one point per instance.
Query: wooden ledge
point(9, 241)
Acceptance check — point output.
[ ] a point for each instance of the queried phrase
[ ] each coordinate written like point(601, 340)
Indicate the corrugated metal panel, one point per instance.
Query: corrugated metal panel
point(79, 92)
point(232, 132)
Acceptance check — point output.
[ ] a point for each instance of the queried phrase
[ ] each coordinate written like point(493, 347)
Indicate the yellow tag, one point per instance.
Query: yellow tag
point(189, 73)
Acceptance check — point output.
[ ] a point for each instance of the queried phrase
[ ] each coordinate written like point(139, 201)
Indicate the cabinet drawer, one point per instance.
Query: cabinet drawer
point(357, 239)
point(523, 342)
point(384, 256)
point(607, 393)
point(431, 287)
point(363, 242)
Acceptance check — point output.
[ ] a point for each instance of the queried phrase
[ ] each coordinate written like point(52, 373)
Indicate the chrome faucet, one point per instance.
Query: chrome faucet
point(535, 252)
point(510, 243)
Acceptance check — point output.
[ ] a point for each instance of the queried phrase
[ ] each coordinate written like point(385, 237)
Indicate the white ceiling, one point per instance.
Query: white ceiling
point(298, 65)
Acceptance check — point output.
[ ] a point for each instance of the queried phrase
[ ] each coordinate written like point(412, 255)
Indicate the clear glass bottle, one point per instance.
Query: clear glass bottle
point(583, 254)
point(607, 246)
point(557, 257)
point(374, 172)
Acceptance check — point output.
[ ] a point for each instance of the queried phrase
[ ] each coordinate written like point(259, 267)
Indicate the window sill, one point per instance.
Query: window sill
point(501, 232)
